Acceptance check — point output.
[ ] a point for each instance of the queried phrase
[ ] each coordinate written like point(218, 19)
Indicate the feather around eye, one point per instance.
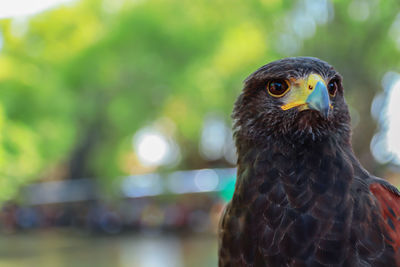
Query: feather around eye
point(278, 88)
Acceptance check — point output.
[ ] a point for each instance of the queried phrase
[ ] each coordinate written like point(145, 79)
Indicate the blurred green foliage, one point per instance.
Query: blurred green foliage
point(78, 81)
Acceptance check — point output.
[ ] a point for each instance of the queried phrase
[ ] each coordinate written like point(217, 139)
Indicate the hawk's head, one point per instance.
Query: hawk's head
point(292, 99)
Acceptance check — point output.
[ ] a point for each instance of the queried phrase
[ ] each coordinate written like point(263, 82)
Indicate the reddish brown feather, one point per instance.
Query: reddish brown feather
point(390, 210)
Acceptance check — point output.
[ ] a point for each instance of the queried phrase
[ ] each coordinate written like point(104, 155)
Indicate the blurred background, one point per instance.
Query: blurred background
point(115, 128)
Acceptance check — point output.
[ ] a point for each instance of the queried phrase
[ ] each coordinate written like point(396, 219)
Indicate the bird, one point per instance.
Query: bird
point(301, 196)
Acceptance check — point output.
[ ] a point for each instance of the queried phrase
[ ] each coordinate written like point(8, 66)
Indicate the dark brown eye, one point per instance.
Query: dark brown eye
point(278, 88)
point(332, 88)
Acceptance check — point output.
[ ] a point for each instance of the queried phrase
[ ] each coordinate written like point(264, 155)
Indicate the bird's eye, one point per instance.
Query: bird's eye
point(332, 88)
point(278, 88)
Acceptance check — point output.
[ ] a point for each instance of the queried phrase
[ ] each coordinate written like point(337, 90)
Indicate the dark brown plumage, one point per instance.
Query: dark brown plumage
point(301, 197)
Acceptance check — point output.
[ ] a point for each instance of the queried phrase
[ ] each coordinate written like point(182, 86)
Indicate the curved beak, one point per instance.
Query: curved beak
point(319, 99)
point(309, 93)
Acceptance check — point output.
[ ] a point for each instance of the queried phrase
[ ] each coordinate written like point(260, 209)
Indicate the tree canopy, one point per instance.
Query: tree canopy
point(78, 81)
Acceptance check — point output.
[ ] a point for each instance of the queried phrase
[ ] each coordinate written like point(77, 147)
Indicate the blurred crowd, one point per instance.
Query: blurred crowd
point(190, 213)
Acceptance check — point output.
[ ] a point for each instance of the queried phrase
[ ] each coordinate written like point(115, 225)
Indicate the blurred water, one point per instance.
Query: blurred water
point(60, 249)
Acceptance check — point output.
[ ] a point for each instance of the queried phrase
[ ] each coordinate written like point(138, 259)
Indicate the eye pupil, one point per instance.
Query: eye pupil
point(332, 88)
point(277, 88)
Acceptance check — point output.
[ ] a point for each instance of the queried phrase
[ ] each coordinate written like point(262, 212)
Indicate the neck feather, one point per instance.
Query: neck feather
point(295, 175)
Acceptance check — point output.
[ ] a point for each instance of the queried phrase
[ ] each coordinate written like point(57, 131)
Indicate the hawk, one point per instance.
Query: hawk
point(301, 196)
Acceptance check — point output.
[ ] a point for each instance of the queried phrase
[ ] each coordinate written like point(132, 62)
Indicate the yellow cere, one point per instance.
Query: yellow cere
point(292, 105)
point(300, 90)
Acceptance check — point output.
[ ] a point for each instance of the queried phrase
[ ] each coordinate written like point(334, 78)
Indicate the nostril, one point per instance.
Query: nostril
point(310, 87)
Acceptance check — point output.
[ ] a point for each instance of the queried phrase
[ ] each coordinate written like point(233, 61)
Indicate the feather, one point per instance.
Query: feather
point(301, 197)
